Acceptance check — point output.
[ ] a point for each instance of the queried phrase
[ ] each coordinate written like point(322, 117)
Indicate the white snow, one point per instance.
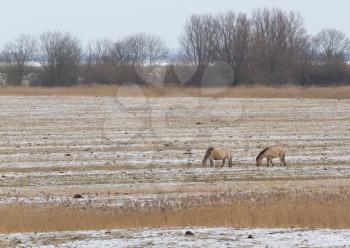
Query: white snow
point(175, 237)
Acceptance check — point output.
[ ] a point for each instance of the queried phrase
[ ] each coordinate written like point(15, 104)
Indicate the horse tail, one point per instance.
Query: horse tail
point(284, 159)
point(230, 160)
point(262, 153)
point(208, 153)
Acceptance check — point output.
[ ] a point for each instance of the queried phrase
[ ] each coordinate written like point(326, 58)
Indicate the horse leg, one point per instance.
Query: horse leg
point(284, 160)
point(211, 163)
point(223, 162)
point(267, 162)
point(230, 162)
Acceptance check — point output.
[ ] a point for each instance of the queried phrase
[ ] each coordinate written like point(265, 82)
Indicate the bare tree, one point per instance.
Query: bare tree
point(60, 55)
point(138, 55)
point(198, 43)
point(304, 61)
point(130, 50)
point(152, 71)
point(16, 57)
point(233, 42)
point(156, 50)
point(277, 38)
point(140, 50)
point(98, 64)
point(332, 46)
point(271, 46)
point(99, 52)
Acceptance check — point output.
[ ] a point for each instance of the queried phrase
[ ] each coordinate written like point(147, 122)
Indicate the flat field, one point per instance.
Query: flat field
point(175, 237)
point(85, 162)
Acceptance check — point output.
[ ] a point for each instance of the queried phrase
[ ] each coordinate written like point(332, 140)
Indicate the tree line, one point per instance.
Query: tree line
point(268, 46)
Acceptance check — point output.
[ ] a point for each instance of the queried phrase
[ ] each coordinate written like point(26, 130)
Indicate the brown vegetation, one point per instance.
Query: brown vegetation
point(235, 92)
point(311, 213)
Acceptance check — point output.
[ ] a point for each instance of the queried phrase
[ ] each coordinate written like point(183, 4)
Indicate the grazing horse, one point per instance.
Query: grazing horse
point(217, 154)
point(269, 153)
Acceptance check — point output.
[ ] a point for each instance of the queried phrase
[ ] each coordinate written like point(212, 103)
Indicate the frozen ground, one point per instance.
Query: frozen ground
point(202, 237)
point(116, 151)
point(113, 150)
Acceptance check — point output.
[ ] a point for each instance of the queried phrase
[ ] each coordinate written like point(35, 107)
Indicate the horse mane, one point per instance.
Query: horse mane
point(262, 152)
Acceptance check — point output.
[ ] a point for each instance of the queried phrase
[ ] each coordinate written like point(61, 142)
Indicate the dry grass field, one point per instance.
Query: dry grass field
point(289, 212)
point(85, 162)
point(256, 91)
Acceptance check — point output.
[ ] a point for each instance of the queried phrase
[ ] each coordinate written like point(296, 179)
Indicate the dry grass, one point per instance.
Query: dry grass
point(318, 211)
point(241, 92)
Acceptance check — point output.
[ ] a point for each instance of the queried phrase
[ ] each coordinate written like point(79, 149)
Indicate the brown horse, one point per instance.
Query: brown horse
point(217, 154)
point(270, 153)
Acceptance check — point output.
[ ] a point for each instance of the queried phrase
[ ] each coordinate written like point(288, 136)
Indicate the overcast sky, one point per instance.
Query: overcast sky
point(94, 19)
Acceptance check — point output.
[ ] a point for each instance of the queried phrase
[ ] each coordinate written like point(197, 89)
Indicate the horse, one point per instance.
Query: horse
point(217, 154)
point(269, 153)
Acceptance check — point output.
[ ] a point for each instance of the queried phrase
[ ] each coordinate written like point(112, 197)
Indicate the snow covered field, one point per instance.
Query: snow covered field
point(120, 148)
point(115, 151)
point(202, 237)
